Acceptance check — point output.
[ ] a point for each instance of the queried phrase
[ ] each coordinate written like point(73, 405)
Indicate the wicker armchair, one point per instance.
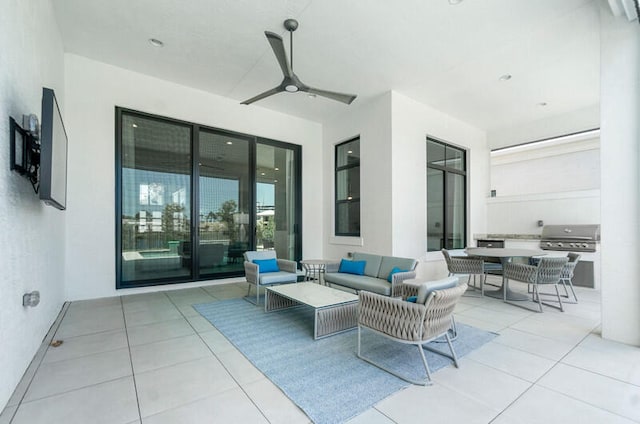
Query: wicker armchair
point(547, 272)
point(412, 323)
point(287, 274)
point(467, 266)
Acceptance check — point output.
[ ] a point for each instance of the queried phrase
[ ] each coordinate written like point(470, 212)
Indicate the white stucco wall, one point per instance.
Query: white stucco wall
point(412, 123)
point(31, 56)
point(93, 91)
point(620, 160)
point(372, 122)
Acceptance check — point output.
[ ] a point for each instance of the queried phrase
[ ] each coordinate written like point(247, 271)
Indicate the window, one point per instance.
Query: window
point(347, 177)
point(446, 196)
point(190, 200)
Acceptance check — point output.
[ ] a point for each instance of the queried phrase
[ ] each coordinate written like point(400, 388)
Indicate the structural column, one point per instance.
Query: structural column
point(620, 185)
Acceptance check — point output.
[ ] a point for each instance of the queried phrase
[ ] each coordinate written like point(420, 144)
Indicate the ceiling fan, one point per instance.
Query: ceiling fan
point(291, 83)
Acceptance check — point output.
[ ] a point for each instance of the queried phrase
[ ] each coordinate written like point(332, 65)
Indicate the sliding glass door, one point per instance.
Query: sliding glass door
point(277, 199)
point(224, 198)
point(191, 200)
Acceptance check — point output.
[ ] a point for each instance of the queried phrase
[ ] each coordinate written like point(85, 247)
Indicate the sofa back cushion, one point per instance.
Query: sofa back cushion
point(251, 255)
point(387, 264)
point(373, 263)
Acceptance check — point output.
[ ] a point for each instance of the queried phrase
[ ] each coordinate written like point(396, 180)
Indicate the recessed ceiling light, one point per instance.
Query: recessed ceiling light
point(454, 2)
point(262, 173)
point(276, 169)
point(229, 142)
point(505, 77)
point(349, 152)
point(543, 104)
point(275, 181)
point(155, 42)
point(134, 125)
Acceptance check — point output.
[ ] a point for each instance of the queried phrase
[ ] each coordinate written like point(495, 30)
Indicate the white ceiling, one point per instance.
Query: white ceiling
point(449, 57)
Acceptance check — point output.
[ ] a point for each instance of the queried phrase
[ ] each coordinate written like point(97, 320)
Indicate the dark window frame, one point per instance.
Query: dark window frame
point(337, 201)
point(451, 170)
point(195, 177)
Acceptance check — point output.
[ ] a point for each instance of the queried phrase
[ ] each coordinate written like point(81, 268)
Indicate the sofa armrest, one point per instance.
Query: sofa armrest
point(287, 265)
point(394, 317)
point(332, 267)
point(252, 272)
point(397, 288)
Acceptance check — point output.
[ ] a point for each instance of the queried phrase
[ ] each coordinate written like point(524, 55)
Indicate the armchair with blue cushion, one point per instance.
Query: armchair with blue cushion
point(264, 269)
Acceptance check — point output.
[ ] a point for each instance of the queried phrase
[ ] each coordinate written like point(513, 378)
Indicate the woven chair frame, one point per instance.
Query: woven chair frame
point(411, 323)
point(547, 272)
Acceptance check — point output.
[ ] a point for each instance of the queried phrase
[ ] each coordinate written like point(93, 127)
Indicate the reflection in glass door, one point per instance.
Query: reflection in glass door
point(277, 200)
point(225, 188)
point(154, 227)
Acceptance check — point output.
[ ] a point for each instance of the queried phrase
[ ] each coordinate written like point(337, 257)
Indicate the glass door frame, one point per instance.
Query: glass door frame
point(445, 174)
point(195, 197)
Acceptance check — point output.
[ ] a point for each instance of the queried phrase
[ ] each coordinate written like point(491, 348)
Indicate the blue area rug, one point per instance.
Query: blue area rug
point(324, 377)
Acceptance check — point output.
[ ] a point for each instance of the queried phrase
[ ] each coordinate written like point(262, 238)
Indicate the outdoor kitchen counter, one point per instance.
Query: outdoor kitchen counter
point(506, 236)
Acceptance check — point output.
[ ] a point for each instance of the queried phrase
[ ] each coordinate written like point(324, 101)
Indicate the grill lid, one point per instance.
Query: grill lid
point(571, 232)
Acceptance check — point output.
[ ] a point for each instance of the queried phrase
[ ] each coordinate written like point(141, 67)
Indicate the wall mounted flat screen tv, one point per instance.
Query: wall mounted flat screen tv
point(53, 153)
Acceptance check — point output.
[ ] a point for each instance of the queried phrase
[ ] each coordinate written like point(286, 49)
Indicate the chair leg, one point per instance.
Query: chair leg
point(559, 299)
point(572, 290)
point(537, 295)
point(453, 352)
point(424, 362)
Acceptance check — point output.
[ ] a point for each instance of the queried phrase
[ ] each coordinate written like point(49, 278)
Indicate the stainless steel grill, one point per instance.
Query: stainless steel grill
point(575, 238)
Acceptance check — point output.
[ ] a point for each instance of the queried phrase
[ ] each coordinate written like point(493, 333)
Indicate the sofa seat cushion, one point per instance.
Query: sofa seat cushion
point(359, 282)
point(278, 277)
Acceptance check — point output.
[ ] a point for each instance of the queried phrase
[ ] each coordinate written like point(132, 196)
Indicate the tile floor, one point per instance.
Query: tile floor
point(150, 358)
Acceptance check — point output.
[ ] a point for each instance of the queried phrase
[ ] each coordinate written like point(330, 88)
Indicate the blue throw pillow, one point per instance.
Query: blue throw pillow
point(267, 265)
point(352, 267)
point(412, 299)
point(395, 270)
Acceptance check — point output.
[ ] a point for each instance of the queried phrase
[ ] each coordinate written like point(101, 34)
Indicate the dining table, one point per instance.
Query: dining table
point(505, 255)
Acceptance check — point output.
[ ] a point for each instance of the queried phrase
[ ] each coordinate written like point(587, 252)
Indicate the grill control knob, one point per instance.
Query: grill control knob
point(585, 245)
point(572, 244)
point(560, 245)
point(549, 244)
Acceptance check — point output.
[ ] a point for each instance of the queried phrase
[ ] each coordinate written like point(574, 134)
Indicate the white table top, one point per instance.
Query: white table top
point(313, 294)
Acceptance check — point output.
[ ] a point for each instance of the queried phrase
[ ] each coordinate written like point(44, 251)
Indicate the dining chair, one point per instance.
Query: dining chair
point(547, 272)
point(567, 274)
point(462, 265)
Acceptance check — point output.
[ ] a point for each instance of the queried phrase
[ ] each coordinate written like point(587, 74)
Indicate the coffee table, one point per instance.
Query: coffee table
point(335, 310)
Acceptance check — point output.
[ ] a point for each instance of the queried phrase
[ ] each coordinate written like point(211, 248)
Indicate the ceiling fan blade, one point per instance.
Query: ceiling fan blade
point(278, 48)
point(341, 97)
point(263, 95)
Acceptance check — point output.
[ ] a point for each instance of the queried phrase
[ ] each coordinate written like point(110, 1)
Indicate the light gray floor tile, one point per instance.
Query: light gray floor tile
point(200, 324)
point(512, 361)
point(538, 345)
point(164, 330)
point(371, 416)
point(95, 303)
point(167, 388)
point(62, 376)
point(543, 406)
point(554, 329)
point(143, 297)
point(608, 358)
point(603, 392)
point(240, 368)
point(232, 406)
point(168, 352)
point(75, 347)
point(100, 313)
point(439, 403)
point(86, 323)
point(145, 305)
point(503, 319)
point(216, 341)
point(483, 383)
point(152, 315)
point(478, 323)
point(274, 404)
point(112, 402)
point(7, 414)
